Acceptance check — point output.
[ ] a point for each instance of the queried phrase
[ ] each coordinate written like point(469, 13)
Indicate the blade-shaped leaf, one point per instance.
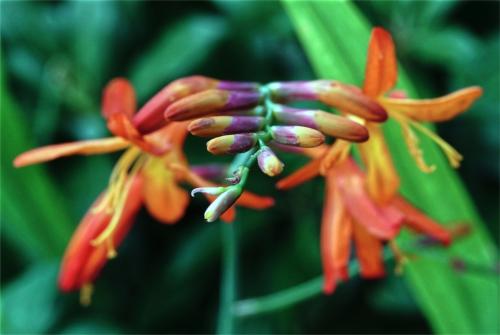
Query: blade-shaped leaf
point(335, 36)
point(180, 49)
point(34, 217)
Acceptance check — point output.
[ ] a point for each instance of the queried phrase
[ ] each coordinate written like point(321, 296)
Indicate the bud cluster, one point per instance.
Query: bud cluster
point(249, 117)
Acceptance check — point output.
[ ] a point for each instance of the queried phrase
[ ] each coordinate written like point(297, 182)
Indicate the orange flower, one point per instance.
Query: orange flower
point(350, 214)
point(380, 78)
point(148, 172)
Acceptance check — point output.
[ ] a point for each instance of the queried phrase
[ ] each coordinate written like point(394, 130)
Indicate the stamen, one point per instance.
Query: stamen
point(86, 294)
point(412, 142)
point(111, 248)
point(120, 194)
point(117, 180)
point(454, 157)
point(401, 258)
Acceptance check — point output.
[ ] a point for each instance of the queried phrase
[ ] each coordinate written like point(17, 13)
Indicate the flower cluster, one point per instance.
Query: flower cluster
point(364, 206)
point(362, 203)
point(251, 118)
point(149, 172)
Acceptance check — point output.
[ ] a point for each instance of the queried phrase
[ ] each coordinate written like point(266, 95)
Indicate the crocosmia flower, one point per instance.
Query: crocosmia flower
point(380, 79)
point(149, 172)
point(351, 216)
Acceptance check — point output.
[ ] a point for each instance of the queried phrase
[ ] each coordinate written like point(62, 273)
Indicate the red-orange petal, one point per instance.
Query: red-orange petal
point(82, 262)
point(118, 98)
point(305, 173)
point(381, 65)
point(164, 199)
point(336, 231)
point(437, 109)
point(50, 152)
point(381, 221)
point(369, 252)
point(421, 223)
point(254, 201)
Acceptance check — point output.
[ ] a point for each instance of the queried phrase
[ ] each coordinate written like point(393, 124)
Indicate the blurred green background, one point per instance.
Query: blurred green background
point(57, 57)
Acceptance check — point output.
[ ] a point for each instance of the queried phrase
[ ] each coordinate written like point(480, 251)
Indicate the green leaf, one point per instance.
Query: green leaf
point(34, 217)
point(30, 303)
point(335, 38)
point(180, 49)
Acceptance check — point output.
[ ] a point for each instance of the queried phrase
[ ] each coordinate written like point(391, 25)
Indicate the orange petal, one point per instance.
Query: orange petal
point(381, 70)
point(435, 110)
point(164, 199)
point(382, 179)
point(82, 262)
point(118, 98)
point(254, 201)
point(121, 125)
point(369, 252)
point(381, 221)
point(50, 152)
point(336, 231)
point(305, 173)
point(421, 223)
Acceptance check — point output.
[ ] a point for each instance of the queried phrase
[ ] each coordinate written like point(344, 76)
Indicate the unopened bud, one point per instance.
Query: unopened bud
point(224, 125)
point(150, 117)
point(292, 91)
point(297, 136)
point(231, 144)
point(328, 123)
point(222, 203)
point(210, 102)
point(349, 99)
point(269, 163)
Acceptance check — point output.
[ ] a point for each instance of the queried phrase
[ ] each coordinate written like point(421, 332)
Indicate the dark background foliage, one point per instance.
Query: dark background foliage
point(57, 57)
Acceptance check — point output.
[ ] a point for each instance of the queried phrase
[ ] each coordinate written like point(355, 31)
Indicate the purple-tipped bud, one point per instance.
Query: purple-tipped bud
point(297, 136)
point(292, 90)
point(256, 111)
point(269, 163)
point(224, 125)
point(232, 144)
point(349, 99)
point(222, 203)
point(237, 86)
point(214, 172)
point(211, 102)
point(327, 123)
point(150, 117)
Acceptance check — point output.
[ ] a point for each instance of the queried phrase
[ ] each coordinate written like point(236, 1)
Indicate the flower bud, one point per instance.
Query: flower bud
point(150, 117)
point(256, 111)
point(231, 144)
point(269, 163)
point(210, 102)
point(328, 123)
point(210, 171)
point(297, 136)
point(224, 125)
point(349, 99)
point(293, 90)
point(222, 203)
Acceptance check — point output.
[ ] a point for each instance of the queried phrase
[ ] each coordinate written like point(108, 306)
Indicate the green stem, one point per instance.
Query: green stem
point(225, 322)
point(288, 297)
